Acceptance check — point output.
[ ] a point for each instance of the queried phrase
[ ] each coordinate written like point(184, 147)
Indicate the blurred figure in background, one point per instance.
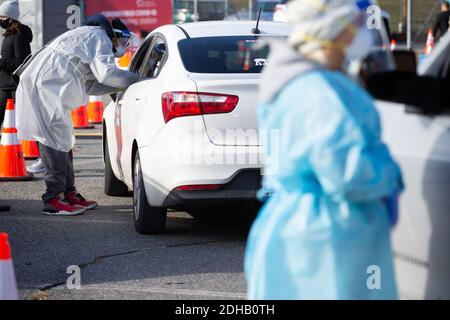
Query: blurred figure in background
point(15, 48)
point(441, 25)
point(326, 226)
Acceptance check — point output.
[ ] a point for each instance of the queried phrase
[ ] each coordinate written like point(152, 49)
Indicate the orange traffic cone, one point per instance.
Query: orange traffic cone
point(124, 61)
point(12, 162)
point(30, 150)
point(247, 65)
point(430, 42)
point(8, 285)
point(393, 45)
point(80, 118)
point(95, 110)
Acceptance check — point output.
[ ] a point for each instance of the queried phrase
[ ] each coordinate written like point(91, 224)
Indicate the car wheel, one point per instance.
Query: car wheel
point(113, 186)
point(147, 219)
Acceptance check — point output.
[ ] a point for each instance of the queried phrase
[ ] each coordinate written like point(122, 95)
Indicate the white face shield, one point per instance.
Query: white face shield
point(122, 42)
point(370, 52)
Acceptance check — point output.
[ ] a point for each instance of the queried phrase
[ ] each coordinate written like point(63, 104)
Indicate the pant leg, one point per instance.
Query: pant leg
point(55, 163)
point(4, 96)
point(70, 175)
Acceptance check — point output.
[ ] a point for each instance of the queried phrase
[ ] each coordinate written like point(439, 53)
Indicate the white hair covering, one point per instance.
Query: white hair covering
point(318, 22)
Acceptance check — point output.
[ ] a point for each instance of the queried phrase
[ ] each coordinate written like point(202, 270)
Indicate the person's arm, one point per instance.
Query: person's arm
point(104, 68)
point(109, 75)
point(436, 25)
point(22, 50)
point(94, 88)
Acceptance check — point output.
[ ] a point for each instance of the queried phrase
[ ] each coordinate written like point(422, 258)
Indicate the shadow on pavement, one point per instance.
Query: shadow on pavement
point(103, 243)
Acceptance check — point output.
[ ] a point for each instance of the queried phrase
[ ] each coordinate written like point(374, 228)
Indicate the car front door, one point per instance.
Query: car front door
point(137, 99)
point(135, 65)
point(421, 242)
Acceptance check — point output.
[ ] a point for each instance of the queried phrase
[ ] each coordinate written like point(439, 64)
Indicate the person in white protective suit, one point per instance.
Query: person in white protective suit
point(57, 80)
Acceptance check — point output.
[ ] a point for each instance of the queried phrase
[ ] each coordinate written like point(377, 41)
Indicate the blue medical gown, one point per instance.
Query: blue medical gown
point(324, 233)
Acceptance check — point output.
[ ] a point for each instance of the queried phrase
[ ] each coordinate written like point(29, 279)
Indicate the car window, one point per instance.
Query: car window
point(154, 59)
point(230, 54)
point(267, 6)
point(139, 57)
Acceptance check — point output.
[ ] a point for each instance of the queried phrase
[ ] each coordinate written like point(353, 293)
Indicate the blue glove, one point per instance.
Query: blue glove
point(392, 206)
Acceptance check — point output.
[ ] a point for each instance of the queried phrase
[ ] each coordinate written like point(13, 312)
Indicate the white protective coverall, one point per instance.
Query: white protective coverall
point(59, 79)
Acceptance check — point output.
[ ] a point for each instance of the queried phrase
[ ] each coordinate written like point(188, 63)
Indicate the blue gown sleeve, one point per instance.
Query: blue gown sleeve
point(350, 162)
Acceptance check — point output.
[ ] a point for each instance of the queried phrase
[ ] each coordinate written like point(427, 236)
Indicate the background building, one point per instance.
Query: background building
point(49, 18)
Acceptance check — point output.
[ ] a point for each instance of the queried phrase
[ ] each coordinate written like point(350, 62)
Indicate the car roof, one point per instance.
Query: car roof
point(234, 28)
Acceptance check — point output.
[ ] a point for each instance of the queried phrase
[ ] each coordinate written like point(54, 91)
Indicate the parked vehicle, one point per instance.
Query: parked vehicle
point(279, 13)
point(199, 103)
point(207, 10)
point(267, 11)
point(416, 126)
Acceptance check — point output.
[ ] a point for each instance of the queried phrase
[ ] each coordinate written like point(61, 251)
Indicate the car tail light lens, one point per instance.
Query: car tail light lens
point(199, 187)
point(182, 104)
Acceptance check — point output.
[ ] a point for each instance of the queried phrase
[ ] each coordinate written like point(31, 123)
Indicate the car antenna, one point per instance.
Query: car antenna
point(256, 30)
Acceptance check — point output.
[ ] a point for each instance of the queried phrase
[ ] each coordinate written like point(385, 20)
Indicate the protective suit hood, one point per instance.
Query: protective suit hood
point(99, 20)
point(284, 65)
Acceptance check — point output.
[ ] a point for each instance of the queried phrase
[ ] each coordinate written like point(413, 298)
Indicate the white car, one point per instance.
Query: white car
point(421, 144)
point(185, 138)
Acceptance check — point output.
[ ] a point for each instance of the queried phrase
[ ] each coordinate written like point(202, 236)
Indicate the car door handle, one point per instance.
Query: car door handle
point(140, 99)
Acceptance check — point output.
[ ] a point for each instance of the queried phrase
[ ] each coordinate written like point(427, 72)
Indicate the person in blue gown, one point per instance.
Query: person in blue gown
point(324, 232)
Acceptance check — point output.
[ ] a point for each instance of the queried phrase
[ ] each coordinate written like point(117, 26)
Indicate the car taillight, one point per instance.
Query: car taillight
point(181, 104)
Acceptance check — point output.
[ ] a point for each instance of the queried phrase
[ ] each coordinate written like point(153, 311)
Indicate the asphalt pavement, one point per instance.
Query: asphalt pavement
point(192, 260)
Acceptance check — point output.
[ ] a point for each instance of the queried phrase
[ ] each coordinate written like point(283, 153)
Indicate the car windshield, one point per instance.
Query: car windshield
point(232, 54)
point(267, 6)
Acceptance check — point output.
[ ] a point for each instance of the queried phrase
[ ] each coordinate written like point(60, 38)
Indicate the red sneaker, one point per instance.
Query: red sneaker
point(61, 207)
point(75, 198)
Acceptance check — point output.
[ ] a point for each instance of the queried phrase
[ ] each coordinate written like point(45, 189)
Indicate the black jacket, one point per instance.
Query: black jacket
point(441, 25)
point(15, 48)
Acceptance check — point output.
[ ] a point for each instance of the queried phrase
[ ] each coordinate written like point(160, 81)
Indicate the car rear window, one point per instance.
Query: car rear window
point(235, 54)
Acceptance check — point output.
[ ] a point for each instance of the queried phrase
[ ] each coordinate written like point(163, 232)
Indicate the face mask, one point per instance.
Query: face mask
point(4, 23)
point(119, 51)
point(361, 46)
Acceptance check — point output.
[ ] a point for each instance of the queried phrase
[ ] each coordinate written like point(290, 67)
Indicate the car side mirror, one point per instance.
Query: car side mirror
point(114, 97)
point(405, 60)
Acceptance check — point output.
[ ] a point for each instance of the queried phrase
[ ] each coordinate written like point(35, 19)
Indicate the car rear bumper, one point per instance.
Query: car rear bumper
point(240, 191)
point(164, 170)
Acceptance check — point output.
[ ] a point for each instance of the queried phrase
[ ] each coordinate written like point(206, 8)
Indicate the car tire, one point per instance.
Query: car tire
point(113, 186)
point(147, 219)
